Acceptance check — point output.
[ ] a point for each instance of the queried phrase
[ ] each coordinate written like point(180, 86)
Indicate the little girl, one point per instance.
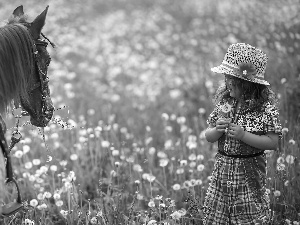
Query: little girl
point(245, 123)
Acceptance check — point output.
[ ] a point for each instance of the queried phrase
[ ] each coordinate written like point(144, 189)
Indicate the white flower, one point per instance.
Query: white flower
point(285, 130)
point(26, 174)
point(19, 154)
point(181, 120)
point(44, 206)
point(113, 173)
point(152, 151)
point(176, 187)
point(56, 196)
point(292, 142)
point(94, 220)
point(105, 144)
point(53, 168)
point(193, 164)
point(152, 222)
point(283, 80)
point(63, 163)
point(36, 162)
point(280, 160)
point(165, 116)
point(32, 178)
point(193, 182)
point(47, 194)
point(201, 110)
point(137, 168)
point(26, 149)
point(161, 154)
point(192, 157)
point(200, 167)
point(168, 144)
point(277, 193)
point(151, 204)
point(182, 211)
point(130, 159)
point(183, 162)
point(187, 184)
point(198, 182)
point(176, 215)
point(28, 222)
point(162, 205)
point(28, 165)
point(200, 157)
point(64, 213)
point(140, 197)
point(33, 202)
point(280, 166)
point(180, 171)
point(163, 162)
point(74, 157)
point(173, 117)
point(41, 196)
point(150, 178)
point(290, 159)
point(115, 152)
point(225, 108)
point(59, 203)
point(44, 169)
point(169, 129)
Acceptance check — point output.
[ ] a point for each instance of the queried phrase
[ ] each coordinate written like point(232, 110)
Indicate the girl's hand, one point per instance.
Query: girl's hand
point(236, 131)
point(222, 124)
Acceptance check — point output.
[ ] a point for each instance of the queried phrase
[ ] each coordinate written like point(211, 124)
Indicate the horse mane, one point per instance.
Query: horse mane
point(16, 62)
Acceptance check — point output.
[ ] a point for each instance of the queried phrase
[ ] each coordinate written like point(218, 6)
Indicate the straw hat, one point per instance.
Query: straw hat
point(244, 61)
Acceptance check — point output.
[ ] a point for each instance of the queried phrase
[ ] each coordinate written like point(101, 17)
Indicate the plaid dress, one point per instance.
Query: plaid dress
point(237, 193)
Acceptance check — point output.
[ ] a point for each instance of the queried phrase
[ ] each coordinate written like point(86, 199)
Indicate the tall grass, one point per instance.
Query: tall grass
point(104, 175)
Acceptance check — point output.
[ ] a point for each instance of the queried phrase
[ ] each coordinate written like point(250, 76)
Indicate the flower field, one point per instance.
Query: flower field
point(132, 87)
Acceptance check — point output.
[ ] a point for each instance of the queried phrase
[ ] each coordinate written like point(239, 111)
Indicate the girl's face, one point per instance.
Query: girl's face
point(234, 91)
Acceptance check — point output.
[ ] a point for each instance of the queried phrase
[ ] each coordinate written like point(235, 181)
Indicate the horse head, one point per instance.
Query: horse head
point(37, 102)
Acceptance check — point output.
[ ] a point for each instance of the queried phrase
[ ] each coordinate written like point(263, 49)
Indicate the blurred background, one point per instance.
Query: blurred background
point(139, 72)
point(137, 59)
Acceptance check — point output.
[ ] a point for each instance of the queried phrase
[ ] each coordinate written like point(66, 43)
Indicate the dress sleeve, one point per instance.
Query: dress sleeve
point(271, 120)
point(213, 117)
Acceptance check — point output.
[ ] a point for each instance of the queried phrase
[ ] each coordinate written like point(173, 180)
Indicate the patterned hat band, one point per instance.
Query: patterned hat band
point(245, 62)
point(245, 71)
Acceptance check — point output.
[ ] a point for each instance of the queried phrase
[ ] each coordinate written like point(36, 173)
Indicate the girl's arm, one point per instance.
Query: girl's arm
point(269, 141)
point(212, 135)
point(264, 142)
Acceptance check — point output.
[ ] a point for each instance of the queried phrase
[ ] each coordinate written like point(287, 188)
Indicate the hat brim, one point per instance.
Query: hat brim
point(225, 70)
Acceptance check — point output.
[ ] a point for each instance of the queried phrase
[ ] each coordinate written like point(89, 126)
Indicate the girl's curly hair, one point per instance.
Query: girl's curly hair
point(254, 95)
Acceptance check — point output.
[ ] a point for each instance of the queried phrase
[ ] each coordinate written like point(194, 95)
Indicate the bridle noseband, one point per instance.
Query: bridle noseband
point(42, 70)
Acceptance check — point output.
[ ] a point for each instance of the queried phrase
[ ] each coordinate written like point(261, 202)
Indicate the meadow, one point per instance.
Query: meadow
point(132, 87)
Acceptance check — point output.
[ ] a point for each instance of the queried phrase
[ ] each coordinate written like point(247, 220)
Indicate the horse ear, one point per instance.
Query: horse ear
point(38, 24)
point(18, 12)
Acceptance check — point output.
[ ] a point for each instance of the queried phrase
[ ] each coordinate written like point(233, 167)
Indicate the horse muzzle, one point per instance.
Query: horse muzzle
point(44, 118)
